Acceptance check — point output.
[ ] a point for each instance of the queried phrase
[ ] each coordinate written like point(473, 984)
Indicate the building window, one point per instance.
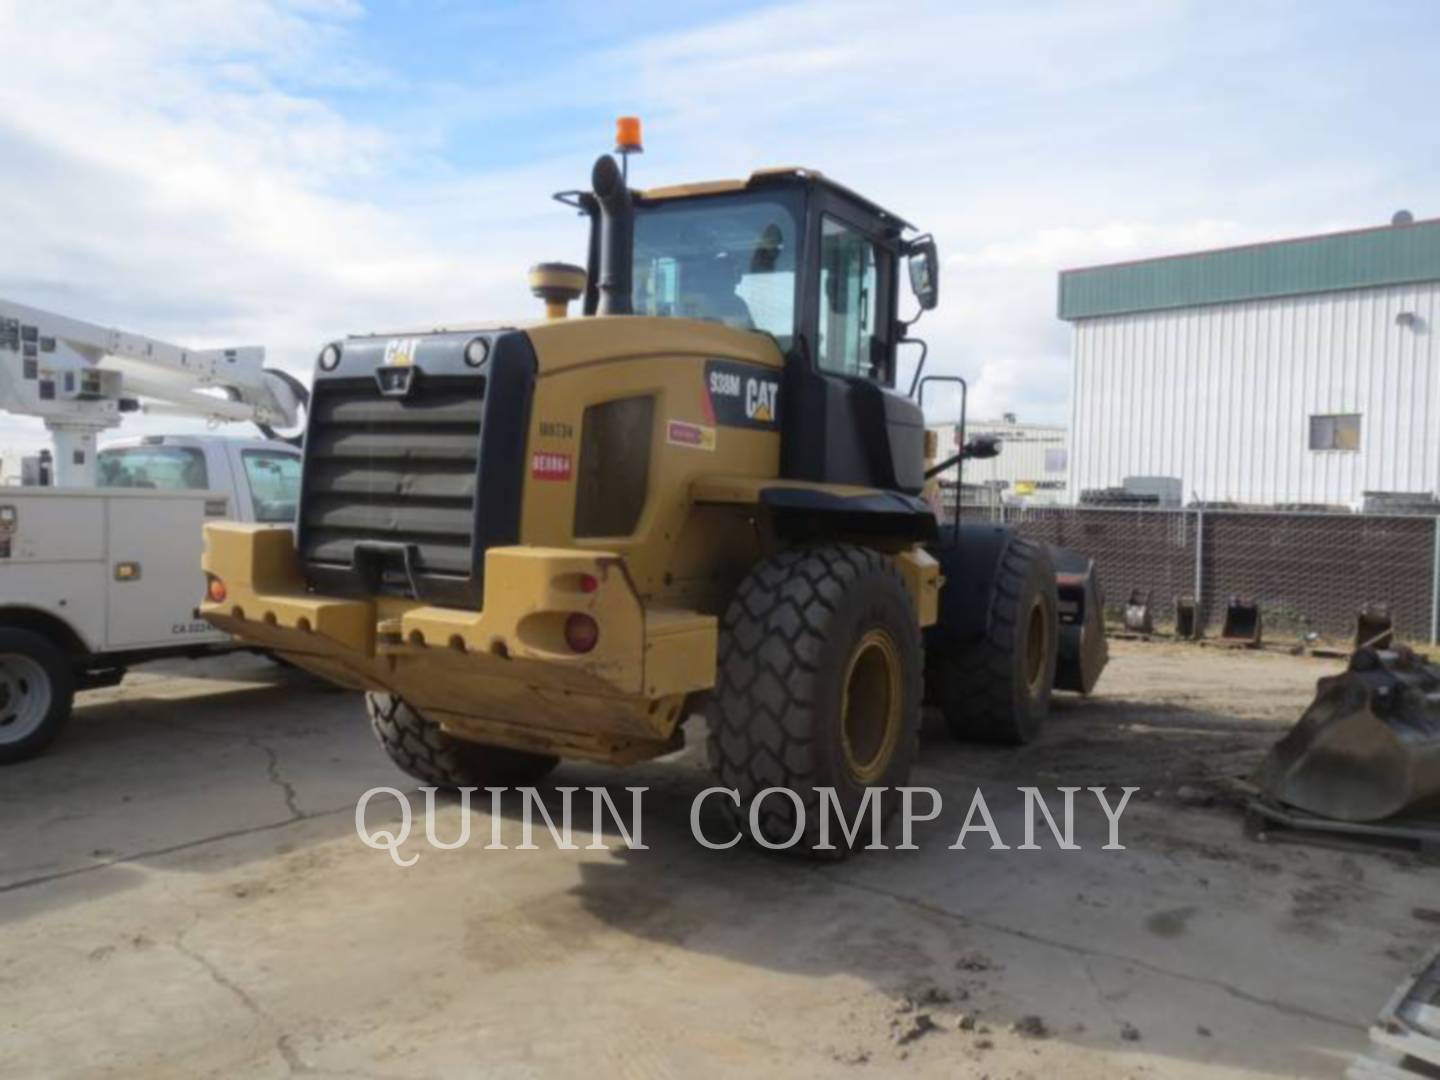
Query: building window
point(1335, 432)
point(1056, 459)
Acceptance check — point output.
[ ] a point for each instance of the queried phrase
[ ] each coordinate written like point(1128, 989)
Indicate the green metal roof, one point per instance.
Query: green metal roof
point(1365, 258)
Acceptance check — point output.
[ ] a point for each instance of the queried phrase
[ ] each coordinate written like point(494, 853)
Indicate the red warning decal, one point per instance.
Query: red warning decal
point(551, 466)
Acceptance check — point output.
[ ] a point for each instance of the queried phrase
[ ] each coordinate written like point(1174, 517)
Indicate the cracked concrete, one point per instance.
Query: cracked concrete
point(182, 894)
point(272, 773)
point(283, 1046)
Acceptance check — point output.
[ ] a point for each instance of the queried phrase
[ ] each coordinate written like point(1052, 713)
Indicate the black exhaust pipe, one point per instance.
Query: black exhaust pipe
point(617, 238)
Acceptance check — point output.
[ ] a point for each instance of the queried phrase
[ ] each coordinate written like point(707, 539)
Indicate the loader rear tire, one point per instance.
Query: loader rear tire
point(818, 685)
point(997, 688)
point(437, 758)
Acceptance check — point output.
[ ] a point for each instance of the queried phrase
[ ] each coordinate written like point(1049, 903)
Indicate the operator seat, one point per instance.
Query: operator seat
point(708, 292)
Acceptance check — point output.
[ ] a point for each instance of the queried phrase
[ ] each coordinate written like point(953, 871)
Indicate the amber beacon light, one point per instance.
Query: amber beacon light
point(627, 136)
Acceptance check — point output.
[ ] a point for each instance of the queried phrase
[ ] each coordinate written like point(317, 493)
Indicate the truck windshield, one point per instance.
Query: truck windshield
point(165, 468)
point(728, 260)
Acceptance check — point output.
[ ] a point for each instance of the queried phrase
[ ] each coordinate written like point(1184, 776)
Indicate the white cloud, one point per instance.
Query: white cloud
point(183, 168)
point(162, 174)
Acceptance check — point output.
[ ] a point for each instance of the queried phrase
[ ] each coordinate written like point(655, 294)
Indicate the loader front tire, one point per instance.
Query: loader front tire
point(818, 685)
point(997, 688)
point(439, 759)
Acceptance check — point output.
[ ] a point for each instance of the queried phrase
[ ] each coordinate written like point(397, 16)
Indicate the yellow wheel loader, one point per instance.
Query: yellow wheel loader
point(535, 541)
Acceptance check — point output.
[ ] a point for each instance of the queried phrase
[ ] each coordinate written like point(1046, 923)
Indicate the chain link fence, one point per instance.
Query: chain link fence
point(1310, 573)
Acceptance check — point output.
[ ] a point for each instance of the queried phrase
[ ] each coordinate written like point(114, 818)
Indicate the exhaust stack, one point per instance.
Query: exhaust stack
point(617, 238)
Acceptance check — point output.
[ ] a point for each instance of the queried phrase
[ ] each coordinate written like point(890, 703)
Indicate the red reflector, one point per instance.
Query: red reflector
point(589, 583)
point(581, 632)
point(216, 591)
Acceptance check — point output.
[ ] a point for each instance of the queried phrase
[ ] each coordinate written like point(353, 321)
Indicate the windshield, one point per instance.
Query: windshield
point(728, 260)
point(166, 468)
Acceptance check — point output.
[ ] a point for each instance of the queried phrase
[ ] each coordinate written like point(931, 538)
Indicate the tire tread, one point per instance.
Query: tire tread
point(772, 637)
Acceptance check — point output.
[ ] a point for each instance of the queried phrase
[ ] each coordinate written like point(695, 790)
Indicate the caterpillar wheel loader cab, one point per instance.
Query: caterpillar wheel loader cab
point(558, 539)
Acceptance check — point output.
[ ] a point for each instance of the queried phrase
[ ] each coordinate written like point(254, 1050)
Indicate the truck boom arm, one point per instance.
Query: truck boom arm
point(80, 378)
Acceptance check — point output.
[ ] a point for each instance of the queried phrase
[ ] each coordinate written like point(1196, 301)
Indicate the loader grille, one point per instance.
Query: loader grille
point(402, 494)
point(394, 471)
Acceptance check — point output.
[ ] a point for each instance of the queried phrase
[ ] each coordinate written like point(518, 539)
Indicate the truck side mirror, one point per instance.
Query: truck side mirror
point(924, 263)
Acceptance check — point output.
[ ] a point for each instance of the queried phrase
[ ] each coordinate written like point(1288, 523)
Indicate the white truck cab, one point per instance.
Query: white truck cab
point(261, 476)
point(94, 580)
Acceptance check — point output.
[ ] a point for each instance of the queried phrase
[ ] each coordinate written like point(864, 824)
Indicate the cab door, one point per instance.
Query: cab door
point(843, 422)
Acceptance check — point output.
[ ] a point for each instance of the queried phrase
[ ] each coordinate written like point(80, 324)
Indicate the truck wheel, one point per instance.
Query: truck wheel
point(818, 685)
point(430, 755)
point(37, 689)
point(997, 689)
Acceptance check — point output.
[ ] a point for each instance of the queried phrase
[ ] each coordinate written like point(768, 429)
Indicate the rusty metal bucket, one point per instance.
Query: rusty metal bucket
point(1187, 618)
point(1374, 627)
point(1242, 621)
point(1368, 747)
point(1139, 619)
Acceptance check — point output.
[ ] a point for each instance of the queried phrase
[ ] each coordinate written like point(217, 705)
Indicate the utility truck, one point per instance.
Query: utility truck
point(102, 570)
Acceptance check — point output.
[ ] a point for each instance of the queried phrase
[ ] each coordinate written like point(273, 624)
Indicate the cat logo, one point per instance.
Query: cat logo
point(400, 352)
point(760, 399)
point(741, 395)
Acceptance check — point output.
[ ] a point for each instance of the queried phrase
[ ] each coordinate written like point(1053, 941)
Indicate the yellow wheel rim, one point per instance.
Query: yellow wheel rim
point(870, 710)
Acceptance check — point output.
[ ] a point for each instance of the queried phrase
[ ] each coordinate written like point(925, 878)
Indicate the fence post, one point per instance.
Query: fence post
point(1201, 615)
point(1435, 586)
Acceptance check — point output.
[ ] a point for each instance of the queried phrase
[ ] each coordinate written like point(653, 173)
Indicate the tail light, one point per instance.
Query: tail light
point(581, 632)
point(215, 590)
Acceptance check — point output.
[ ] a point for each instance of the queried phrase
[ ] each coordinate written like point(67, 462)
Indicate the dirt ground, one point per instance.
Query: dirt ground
point(182, 893)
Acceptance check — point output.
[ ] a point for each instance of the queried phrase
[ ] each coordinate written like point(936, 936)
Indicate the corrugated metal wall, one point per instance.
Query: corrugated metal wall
point(1222, 397)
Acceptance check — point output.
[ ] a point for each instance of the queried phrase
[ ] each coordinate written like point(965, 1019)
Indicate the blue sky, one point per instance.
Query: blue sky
point(280, 172)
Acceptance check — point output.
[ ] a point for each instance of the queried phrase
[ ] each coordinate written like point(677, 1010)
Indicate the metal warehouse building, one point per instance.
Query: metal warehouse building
point(1295, 372)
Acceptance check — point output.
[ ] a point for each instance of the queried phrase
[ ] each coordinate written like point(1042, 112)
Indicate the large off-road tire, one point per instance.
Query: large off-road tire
point(818, 684)
point(430, 755)
point(997, 688)
point(37, 690)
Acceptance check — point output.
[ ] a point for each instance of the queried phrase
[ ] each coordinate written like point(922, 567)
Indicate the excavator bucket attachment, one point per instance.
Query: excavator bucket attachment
point(1187, 618)
point(1138, 617)
point(1374, 628)
point(1242, 621)
point(1368, 747)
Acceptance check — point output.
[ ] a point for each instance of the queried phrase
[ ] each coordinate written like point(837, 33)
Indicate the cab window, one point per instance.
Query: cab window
point(274, 480)
point(164, 468)
point(849, 301)
point(725, 260)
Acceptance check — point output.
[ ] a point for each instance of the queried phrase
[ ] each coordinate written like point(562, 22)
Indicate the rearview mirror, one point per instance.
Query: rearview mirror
point(925, 272)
